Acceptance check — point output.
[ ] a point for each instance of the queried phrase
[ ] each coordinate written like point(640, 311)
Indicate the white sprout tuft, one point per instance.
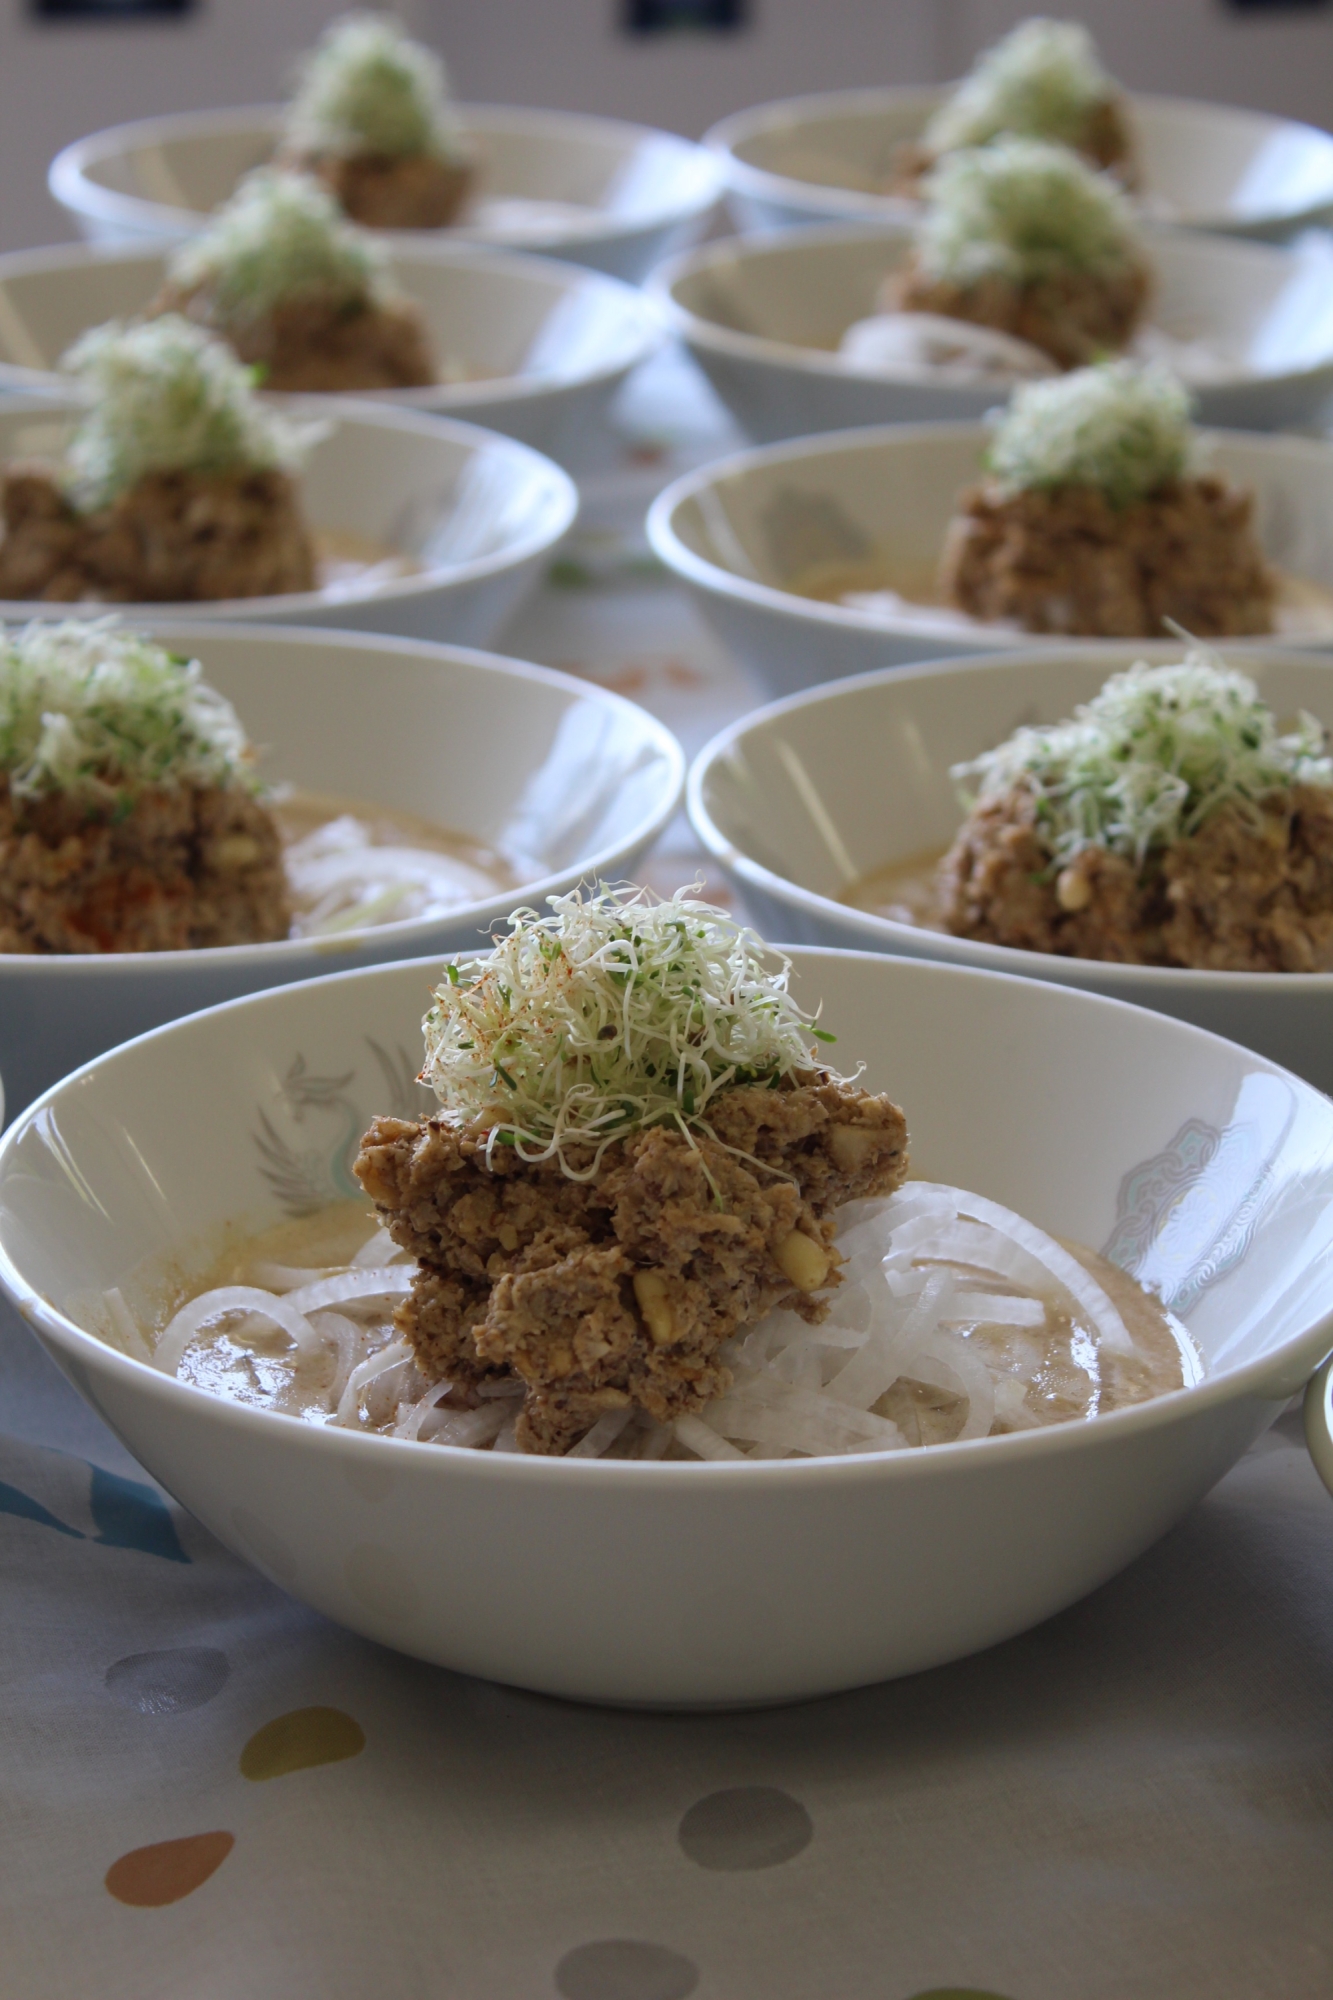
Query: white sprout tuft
point(1022, 209)
point(281, 236)
point(88, 709)
point(367, 87)
point(613, 1013)
point(1152, 757)
point(1043, 80)
point(166, 396)
point(1119, 427)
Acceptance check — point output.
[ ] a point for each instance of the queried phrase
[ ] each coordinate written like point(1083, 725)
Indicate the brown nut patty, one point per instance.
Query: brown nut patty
point(622, 1288)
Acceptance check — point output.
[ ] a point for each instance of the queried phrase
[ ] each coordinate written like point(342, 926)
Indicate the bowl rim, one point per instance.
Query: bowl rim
point(910, 940)
point(644, 326)
point(697, 330)
point(716, 581)
point(406, 933)
point(1266, 1376)
point(351, 410)
point(69, 185)
point(817, 197)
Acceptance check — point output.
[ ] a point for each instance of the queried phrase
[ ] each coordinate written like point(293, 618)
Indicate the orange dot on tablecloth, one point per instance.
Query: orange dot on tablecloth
point(302, 1737)
point(147, 1878)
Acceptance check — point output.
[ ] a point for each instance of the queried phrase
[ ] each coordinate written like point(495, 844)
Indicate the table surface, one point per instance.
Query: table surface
point(211, 1793)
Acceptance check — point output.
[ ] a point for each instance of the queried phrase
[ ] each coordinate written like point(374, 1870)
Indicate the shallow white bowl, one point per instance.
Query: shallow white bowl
point(547, 344)
point(800, 799)
point(567, 779)
point(763, 316)
point(683, 1583)
point(480, 514)
point(740, 531)
point(1206, 166)
point(594, 191)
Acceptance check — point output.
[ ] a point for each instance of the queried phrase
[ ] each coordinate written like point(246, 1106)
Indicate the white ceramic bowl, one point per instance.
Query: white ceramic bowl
point(594, 191)
point(541, 347)
point(800, 799)
point(1206, 166)
point(681, 1583)
point(564, 777)
point(740, 532)
point(763, 316)
point(480, 515)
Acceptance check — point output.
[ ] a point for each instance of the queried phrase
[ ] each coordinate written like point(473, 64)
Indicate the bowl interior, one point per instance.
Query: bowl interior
point(1211, 1172)
point(456, 501)
point(876, 506)
point(1200, 161)
point(545, 771)
point(1268, 310)
point(492, 318)
point(532, 168)
point(823, 790)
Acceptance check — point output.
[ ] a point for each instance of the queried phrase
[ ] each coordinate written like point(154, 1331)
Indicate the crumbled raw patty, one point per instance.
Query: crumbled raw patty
point(1105, 142)
point(1246, 893)
point(1065, 560)
point(172, 537)
point(598, 1293)
point(182, 868)
point(390, 191)
point(315, 347)
point(1072, 316)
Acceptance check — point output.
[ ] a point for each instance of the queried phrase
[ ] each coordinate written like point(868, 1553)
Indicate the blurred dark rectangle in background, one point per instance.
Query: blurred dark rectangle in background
point(658, 17)
point(109, 10)
point(1276, 6)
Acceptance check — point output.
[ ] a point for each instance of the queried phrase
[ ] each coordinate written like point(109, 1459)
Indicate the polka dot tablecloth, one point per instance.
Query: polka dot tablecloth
point(210, 1793)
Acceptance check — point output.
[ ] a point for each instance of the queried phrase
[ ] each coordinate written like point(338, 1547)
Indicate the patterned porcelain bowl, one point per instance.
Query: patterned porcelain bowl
point(436, 530)
point(592, 191)
point(529, 347)
point(822, 158)
point(560, 776)
point(800, 800)
point(1204, 1169)
point(816, 559)
point(764, 315)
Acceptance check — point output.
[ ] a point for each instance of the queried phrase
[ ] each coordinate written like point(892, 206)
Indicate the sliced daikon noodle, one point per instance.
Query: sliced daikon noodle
point(604, 1432)
point(929, 346)
point(340, 880)
point(390, 1281)
point(953, 1318)
point(227, 1299)
point(1065, 1268)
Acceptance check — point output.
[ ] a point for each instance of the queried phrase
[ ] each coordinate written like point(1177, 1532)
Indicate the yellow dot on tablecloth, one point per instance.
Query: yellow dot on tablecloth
point(302, 1737)
point(148, 1878)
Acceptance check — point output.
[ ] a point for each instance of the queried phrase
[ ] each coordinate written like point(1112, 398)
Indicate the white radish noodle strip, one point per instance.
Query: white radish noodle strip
point(181, 1329)
point(361, 1378)
point(387, 1282)
point(603, 1433)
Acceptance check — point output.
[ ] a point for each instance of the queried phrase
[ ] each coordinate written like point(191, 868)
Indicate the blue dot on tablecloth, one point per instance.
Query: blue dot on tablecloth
point(625, 1969)
point(750, 1826)
point(167, 1682)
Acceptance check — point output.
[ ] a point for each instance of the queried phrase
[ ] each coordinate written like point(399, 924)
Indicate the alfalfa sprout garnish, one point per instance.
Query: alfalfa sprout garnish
point(1151, 757)
point(615, 1012)
point(90, 710)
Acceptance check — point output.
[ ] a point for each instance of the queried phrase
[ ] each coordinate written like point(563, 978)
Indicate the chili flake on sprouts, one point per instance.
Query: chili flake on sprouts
point(614, 1013)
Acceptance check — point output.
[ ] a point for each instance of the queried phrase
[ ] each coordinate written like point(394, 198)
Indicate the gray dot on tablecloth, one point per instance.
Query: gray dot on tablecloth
point(165, 1683)
point(625, 1969)
point(751, 1826)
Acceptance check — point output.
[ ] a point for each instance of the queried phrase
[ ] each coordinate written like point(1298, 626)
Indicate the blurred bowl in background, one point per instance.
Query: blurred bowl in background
point(865, 512)
point(526, 346)
point(428, 529)
point(593, 191)
point(801, 800)
point(561, 778)
point(826, 158)
point(763, 317)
